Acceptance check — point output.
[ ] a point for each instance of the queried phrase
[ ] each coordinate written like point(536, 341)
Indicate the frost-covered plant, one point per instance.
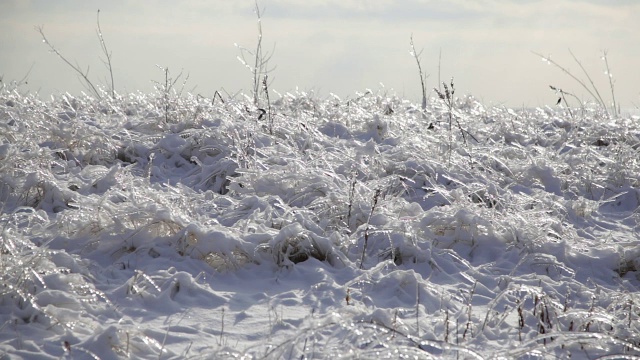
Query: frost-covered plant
point(528, 251)
point(84, 75)
point(167, 94)
point(448, 100)
point(41, 287)
point(592, 90)
point(107, 54)
point(374, 203)
point(423, 77)
point(259, 64)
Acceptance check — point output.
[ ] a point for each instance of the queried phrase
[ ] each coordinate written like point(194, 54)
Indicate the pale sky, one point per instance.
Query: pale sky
point(331, 46)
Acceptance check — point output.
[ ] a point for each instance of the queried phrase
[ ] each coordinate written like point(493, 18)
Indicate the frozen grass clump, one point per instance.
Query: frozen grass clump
point(44, 291)
point(168, 224)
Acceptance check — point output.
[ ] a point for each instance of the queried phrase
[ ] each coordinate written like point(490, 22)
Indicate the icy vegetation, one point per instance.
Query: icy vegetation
point(166, 226)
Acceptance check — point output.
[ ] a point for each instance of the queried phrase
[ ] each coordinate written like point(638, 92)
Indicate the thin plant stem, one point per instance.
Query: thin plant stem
point(595, 89)
point(376, 196)
point(423, 77)
point(613, 95)
point(107, 54)
point(84, 75)
point(595, 97)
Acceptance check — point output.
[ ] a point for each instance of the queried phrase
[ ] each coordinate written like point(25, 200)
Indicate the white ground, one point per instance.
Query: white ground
point(153, 226)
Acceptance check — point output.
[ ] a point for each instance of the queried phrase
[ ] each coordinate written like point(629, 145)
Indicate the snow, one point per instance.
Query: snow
point(351, 231)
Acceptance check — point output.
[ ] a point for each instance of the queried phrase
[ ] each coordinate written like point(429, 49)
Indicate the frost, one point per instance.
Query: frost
point(349, 231)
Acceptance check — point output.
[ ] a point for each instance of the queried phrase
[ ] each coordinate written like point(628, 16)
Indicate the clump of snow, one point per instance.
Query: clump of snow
point(356, 229)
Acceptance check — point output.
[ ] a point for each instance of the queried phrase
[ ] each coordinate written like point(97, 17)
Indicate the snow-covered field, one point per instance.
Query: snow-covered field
point(163, 226)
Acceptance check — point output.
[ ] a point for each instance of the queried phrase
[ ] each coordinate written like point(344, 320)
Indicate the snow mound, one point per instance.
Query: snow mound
point(356, 229)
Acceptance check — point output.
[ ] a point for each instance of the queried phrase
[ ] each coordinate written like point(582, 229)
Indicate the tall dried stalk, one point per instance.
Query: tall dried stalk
point(83, 74)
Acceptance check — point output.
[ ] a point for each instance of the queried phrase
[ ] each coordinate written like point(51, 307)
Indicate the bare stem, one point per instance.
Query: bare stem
point(447, 98)
point(423, 78)
point(107, 54)
point(593, 86)
point(76, 68)
point(376, 196)
point(260, 64)
point(265, 85)
point(439, 68)
point(258, 57)
point(563, 98)
point(613, 95)
point(595, 97)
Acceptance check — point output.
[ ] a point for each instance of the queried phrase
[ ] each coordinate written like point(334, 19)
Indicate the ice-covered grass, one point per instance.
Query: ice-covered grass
point(156, 226)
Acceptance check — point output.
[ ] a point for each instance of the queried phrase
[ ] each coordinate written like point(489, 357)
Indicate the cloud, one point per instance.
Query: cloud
point(381, 10)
